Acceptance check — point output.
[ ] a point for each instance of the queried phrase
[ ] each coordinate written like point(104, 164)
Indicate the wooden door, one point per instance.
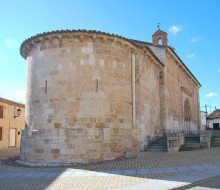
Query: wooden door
point(12, 138)
point(216, 126)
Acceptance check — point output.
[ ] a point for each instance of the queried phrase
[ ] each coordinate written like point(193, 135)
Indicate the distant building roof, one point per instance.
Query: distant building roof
point(214, 114)
point(3, 100)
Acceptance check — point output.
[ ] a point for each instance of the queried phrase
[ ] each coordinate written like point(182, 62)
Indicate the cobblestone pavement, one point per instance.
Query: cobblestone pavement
point(149, 170)
point(210, 184)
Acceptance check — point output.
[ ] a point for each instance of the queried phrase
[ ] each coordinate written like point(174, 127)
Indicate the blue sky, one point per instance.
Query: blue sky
point(193, 28)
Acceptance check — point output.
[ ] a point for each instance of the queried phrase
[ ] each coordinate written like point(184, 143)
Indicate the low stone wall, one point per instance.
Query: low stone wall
point(174, 141)
point(205, 138)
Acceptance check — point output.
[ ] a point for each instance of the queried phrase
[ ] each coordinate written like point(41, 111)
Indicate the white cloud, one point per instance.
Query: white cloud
point(191, 55)
point(211, 94)
point(194, 39)
point(175, 29)
point(11, 43)
point(19, 95)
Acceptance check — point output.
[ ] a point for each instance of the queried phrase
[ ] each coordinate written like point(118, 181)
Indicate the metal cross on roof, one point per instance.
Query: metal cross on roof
point(158, 25)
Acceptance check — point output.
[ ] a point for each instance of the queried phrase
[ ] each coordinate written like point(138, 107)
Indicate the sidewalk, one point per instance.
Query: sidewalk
point(147, 171)
point(7, 152)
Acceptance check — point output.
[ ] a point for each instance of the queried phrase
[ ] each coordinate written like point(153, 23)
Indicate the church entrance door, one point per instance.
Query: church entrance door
point(187, 115)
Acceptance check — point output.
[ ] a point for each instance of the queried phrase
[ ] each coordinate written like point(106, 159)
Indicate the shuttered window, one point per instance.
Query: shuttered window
point(1, 134)
point(1, 112)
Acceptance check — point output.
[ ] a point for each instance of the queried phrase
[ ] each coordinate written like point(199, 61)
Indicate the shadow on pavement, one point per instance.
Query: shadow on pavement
point(88, 176)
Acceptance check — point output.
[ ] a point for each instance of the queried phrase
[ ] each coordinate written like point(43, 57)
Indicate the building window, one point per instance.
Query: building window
point(1, 134)
point(1, 112)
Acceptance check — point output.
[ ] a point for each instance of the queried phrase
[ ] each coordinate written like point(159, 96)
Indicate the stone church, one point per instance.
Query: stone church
point(94, 96)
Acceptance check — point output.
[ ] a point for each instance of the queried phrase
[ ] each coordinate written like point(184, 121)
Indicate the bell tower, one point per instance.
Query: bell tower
point(160, 35)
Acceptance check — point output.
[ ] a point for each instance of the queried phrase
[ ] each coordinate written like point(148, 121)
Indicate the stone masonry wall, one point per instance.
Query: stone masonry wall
point(79, 101)
point(179, 87)
point(148, 99)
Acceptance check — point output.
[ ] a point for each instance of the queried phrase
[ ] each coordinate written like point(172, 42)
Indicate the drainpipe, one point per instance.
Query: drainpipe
point(133, 89)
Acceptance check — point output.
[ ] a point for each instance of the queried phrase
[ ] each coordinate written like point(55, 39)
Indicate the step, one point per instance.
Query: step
point(218, 143)
point(193, 145)
point(197, 142)
point(192, 140)
point(215, 145)
point(215, 142)
point(192, 135)
point(189, 149)
point(157, 150)
point(157, 147)
point(215, 139)
point(160, 143)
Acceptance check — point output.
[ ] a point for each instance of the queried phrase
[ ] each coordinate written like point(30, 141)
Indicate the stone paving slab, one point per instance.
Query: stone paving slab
point(52, 175)
point(143, 171)
point(189, 170)
point(179, 180)
point(146, 171)
point(130, 172)
point(198, 168)
point(33, 175)
point(154, 185)
point(184, 169)
point(171, 169)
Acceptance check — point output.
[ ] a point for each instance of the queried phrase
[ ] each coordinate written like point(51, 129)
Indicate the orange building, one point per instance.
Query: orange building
point(11, 123)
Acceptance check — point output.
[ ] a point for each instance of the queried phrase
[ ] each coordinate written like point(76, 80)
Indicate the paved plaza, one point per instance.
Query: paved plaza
point(148, 170)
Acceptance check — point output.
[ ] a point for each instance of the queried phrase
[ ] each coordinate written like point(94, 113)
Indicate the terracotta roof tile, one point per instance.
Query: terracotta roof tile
point(214, 114)
point(3, 100)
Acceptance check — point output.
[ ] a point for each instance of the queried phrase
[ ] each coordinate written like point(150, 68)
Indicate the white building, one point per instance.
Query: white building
point(203, 120)
point(213, 120)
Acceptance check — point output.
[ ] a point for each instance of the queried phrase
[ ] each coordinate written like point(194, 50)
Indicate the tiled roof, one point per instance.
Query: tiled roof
point(3, 100)
point(214, 114)
point(133, 42)
point(72, 31)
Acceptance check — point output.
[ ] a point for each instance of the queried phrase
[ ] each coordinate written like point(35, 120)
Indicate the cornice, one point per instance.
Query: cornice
point(184, 89)
point(59, 35)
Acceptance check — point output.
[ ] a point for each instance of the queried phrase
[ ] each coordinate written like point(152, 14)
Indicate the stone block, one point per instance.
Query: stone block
point(99, 125)
point(29, 163)
point(100, 120)
point(55, 151)
point(39, 150)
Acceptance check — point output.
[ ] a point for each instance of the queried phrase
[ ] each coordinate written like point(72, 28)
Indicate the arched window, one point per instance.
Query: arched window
point(160, 41)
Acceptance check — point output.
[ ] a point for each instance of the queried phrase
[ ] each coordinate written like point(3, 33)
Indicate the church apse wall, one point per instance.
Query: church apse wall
point(93, 96)
point(79, 99)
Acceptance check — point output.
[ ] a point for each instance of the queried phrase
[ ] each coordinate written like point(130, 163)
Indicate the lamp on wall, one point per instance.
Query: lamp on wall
point(18, 113)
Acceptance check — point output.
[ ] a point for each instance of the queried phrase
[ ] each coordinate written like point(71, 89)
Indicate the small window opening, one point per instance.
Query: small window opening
point(97, 85)
point(1, 112)
point(46, 87)
point(1, 134)
point(160, 42)
point(161, 76)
